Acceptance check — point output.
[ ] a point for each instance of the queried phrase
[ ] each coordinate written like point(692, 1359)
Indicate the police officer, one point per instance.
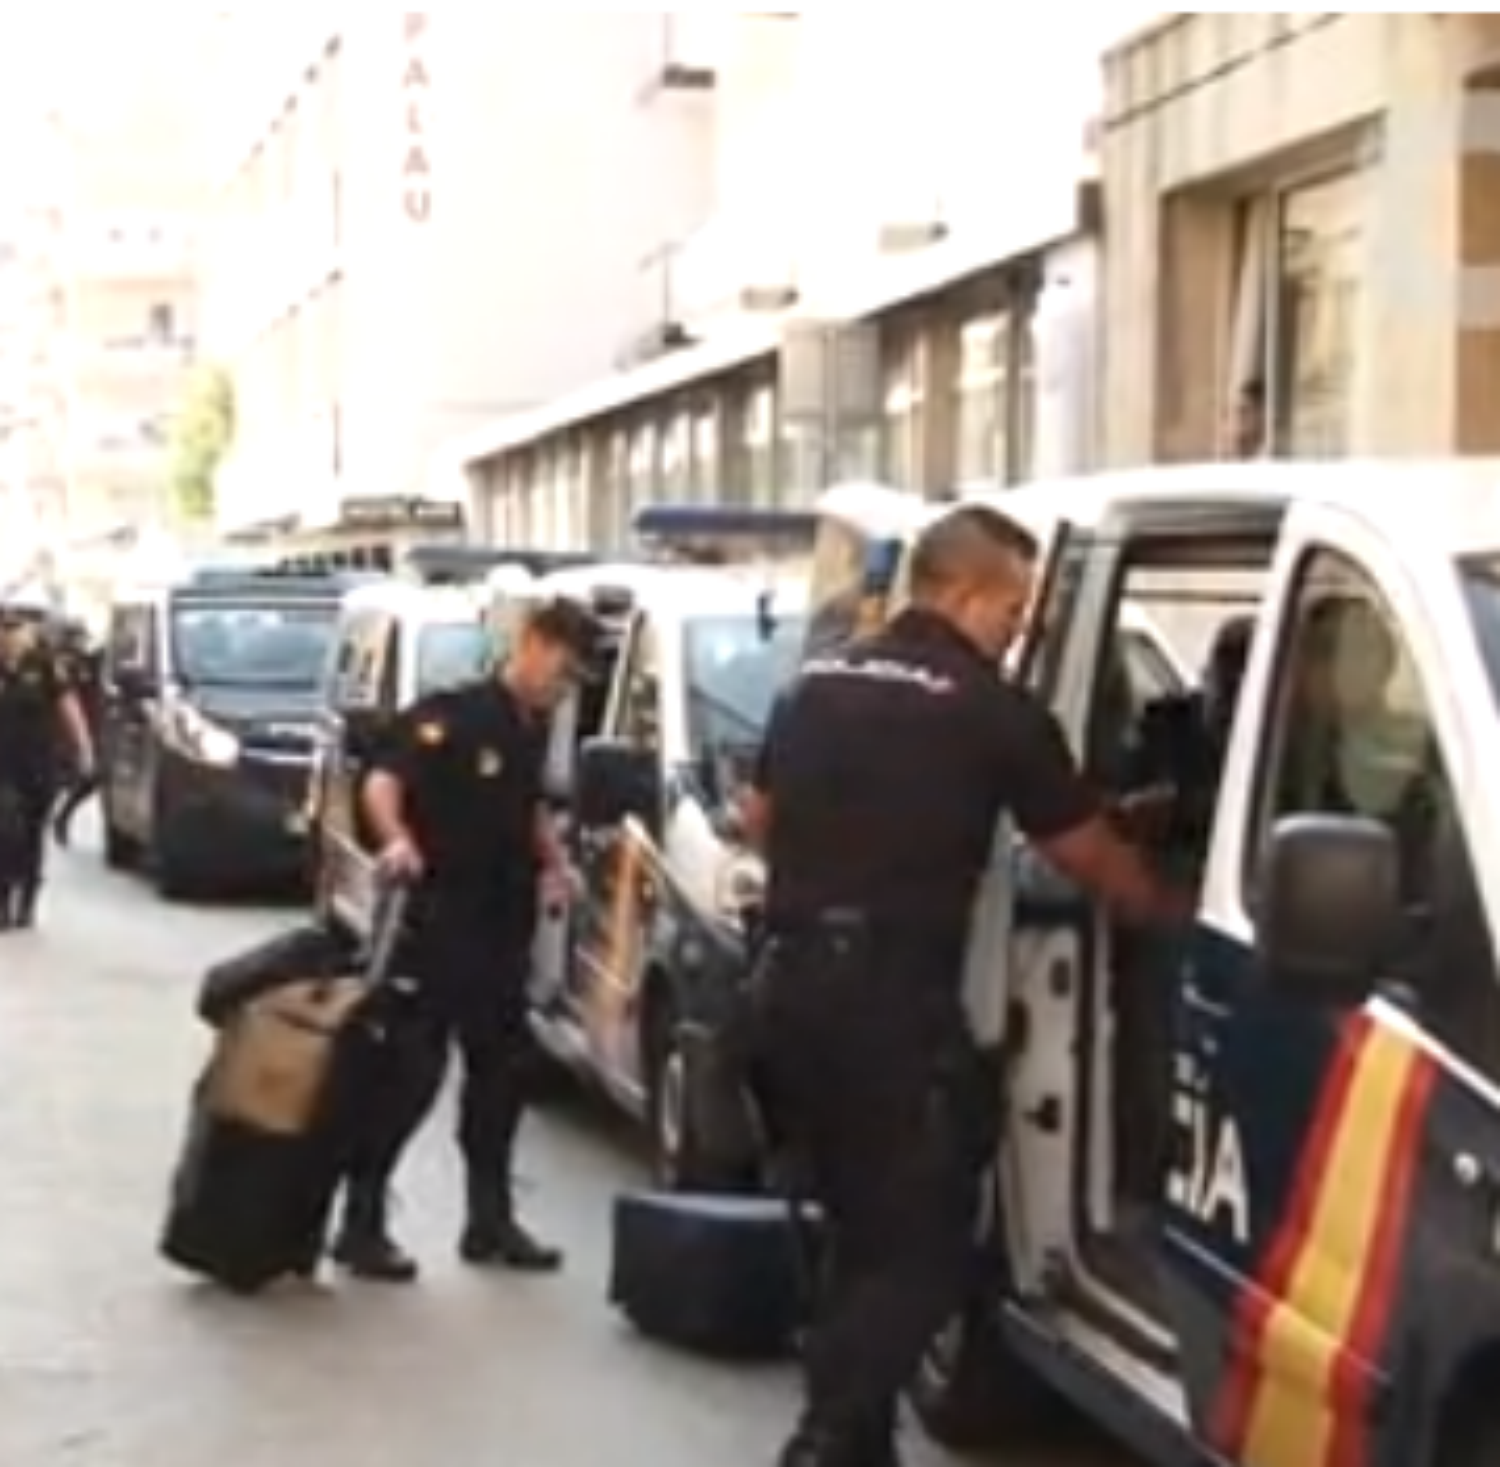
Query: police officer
point(37, 705)
point(83, 663)
point(455, 801)
point(882, 779)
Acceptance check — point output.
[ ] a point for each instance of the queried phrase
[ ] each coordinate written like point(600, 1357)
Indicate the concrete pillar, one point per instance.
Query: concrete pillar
point(1476, 427)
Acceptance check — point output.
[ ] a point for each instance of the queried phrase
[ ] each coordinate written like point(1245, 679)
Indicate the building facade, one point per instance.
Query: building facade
point(99, 277)
point(427, 218)
point(1304, 212)
point(898, 282)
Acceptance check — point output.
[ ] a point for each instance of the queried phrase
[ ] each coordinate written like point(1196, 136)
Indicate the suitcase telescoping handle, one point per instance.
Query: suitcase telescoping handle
point(392, 899)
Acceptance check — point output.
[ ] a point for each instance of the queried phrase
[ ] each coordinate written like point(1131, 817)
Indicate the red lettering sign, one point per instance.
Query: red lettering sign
point(416, 166)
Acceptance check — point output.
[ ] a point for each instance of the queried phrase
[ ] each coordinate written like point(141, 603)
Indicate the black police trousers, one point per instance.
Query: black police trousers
point(25, 805)
point(870, 1077)
point(469, 968)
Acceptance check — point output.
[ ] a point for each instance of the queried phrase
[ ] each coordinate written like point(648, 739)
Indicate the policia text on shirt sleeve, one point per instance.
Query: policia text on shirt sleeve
point(40, 720)
point(882, 779)
point(454, 800)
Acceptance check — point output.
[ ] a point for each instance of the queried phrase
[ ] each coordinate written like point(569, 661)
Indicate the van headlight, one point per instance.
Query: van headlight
point(199, 738)
point(741, 885)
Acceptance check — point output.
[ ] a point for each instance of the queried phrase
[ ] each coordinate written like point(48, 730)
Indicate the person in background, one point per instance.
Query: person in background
point(39, 714)
point(84, 664)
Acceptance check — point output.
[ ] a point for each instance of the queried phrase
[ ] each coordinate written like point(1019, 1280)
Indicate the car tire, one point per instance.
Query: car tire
point(678, 1162)
point(119, 849)
point(173, 876)
point(972, 1394)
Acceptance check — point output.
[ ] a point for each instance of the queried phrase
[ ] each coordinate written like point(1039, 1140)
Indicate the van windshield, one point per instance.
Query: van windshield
point(245, 645)
point(449, 654)
point(736, 665)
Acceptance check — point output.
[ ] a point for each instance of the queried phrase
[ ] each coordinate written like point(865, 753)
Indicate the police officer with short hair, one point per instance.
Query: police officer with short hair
point(455, 801)
point(38, 708)
point(885, 771)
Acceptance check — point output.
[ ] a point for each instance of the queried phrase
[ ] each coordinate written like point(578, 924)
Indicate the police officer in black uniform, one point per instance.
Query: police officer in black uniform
point(885, 771)
point(455, 800)
point(38, 712)
point(83, 663)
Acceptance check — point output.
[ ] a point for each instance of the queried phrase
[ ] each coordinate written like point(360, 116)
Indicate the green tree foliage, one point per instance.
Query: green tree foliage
point(204, 434)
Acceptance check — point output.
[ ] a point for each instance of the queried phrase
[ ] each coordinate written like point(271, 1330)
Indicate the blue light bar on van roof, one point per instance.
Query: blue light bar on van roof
point(722, 522)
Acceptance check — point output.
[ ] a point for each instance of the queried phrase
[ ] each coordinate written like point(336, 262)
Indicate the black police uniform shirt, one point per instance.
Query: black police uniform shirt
point(888, 766)
point(32, 687)
point(470, 765)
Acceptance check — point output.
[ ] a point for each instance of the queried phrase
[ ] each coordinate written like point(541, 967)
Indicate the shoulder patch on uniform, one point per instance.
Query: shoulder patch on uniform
point(432, 733)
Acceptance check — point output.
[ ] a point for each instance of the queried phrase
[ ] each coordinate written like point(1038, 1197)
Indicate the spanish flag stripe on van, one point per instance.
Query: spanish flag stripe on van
point(1299, 1379)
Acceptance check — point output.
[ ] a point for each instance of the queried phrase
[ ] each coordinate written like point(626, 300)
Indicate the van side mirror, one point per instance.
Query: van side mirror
point(615, 779)
point(1329, 910)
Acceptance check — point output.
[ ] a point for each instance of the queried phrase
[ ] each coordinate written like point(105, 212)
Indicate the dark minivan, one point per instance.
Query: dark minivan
point(211, 688)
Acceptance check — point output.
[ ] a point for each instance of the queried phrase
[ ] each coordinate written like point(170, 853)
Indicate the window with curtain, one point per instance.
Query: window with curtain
point(982, 392)
point(676, 475)
point(1317, 304)
point(612, 527)
point(1295, 319)
point(758, 444)
point(903, 412)
point(642, 477)
point(708, 484)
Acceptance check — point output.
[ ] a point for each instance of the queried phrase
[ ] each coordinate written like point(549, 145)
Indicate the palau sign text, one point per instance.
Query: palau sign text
point(416, 84)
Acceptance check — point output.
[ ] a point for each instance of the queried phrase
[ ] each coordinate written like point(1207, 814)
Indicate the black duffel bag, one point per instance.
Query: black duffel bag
point(306, 952)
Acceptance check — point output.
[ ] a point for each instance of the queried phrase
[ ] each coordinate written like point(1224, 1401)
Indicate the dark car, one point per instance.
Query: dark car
point(211, 689)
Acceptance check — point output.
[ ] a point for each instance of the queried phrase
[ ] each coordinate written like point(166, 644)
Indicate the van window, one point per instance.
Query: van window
point(359, 661)
point(450, 654)
point(132, 640)
point(247, 645)
point(735, 668)
point(640, 707)
point(1351, 732)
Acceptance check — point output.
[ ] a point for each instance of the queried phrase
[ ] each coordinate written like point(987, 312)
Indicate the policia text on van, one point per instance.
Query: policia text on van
point(210, 692)
point(1247, 1195)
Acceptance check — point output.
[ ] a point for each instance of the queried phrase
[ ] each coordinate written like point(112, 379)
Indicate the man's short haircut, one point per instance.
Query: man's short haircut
point(565, 623)
point(968, 545)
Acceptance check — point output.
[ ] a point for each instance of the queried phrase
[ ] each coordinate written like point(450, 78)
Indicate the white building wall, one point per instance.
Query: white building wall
point(557, 169)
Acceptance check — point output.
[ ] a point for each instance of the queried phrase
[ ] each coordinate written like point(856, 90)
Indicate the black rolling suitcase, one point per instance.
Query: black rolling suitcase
point(271, 1120)
point(721, 1276)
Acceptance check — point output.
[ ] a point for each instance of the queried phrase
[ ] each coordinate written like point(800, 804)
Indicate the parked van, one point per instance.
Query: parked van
point(1245, 1205)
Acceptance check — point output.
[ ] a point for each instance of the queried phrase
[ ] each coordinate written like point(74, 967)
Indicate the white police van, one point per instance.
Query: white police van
point(644, 769)
point(1246, 1200)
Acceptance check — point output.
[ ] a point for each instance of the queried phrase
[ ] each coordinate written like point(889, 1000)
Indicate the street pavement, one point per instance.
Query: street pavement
point(109, 1359)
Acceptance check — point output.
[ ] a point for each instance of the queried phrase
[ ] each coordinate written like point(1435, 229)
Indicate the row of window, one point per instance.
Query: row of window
point(956, 405)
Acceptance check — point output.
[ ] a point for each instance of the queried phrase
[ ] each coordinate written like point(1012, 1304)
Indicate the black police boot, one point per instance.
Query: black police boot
point(23, 910)
point(364, 1245)
point(811, 1448)
point(492, 1237)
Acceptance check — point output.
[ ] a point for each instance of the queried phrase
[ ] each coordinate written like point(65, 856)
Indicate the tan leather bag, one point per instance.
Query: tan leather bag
point(272, 1060)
